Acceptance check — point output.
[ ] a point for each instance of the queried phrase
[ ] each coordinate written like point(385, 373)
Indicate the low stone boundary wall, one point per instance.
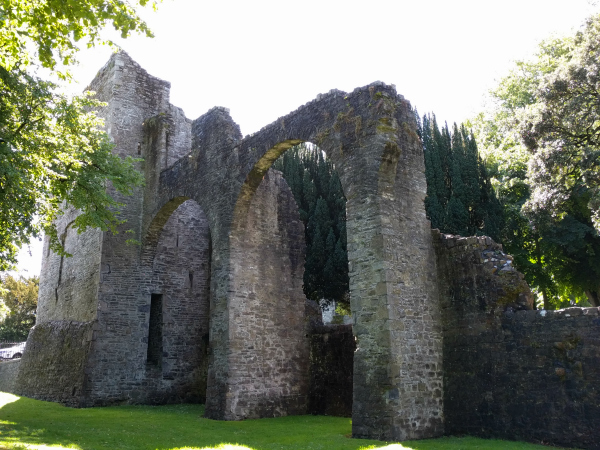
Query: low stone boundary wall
point(8, 374)
point(331, 358)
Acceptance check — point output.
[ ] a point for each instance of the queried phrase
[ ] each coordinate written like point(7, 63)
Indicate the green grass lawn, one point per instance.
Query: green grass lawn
point(35, 424)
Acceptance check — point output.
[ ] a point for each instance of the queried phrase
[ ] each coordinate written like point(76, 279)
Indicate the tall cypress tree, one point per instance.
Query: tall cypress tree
point(444, 143)
point(457, 214)
point(309, 196)
point(314, 265)
point(318, 192)
point(434, 172)
point(492, 213)
point(471, 178)
point(460, 198)
point(441, 160)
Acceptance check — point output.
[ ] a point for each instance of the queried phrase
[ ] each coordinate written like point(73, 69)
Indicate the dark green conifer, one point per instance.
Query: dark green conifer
point(309, 196)
point(457, 217)
point(322, 206)
point(434, 172)
point(320, 217)
point(441, 162)
point(314, 266)
point(435, 212)
point(460, 198)
point(330, 243)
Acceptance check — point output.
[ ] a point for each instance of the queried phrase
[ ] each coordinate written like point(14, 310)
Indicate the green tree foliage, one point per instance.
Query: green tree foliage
point(541, 143)
point(562, 129)
point(52, 153)
point(322, 206)
point(460, 198)
point(54, 28)
point(19, 299)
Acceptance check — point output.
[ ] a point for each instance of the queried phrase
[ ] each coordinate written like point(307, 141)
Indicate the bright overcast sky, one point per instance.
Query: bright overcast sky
point(263, 59)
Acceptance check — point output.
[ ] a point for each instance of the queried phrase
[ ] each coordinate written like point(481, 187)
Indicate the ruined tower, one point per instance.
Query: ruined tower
point(210, 305)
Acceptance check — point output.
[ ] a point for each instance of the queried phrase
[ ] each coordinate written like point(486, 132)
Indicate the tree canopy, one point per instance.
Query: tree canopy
point(53, 154)
point(562, 129)
point(54, 28)
point(18, 299)
point(540, 142)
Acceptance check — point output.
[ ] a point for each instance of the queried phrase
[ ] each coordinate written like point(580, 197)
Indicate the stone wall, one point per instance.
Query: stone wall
point(413, 323)
point(181, 276)
point(510, 371)
point(213, 294)
point(107, 286)
point(69, 285)
point(331, 359)
point(269, 359)
point(9, 370)
point(369, 134)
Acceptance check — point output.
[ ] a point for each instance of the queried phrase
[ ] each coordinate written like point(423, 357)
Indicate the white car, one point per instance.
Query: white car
point(16, 351)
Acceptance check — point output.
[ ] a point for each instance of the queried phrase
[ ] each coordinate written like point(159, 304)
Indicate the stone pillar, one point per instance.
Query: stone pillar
point(394, 299)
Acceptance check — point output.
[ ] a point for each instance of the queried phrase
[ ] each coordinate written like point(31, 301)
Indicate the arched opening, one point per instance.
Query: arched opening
point(317, 190)
point(278, 281)
point(316, 186)
point(177, 312)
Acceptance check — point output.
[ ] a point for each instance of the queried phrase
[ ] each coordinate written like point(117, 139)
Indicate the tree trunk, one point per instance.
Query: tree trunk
point(593, 297)
point(547, 305)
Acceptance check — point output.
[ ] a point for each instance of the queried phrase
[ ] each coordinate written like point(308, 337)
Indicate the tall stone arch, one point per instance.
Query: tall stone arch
point(370, 136)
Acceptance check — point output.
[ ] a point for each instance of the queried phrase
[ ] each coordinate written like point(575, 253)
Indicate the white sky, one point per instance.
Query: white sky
point(263, 59)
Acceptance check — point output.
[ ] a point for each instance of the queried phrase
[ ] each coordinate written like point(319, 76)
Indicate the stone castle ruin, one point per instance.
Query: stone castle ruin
point(210, 308)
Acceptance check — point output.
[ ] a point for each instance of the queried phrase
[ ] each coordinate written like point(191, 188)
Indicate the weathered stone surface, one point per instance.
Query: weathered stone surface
point(71, 282)
point(369, 134)
point(511, 371)
point(9, 370)
point(210, 305)
point(269, 355)
point(54, 365)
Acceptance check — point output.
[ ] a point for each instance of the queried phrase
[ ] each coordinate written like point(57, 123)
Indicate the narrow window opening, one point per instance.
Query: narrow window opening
point(191, 276)
point(155, 345)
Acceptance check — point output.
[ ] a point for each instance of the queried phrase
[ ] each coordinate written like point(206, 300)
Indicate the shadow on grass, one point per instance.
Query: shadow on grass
point(38, 424)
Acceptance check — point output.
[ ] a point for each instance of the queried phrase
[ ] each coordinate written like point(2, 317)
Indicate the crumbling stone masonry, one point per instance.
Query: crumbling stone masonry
point(217, 280)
